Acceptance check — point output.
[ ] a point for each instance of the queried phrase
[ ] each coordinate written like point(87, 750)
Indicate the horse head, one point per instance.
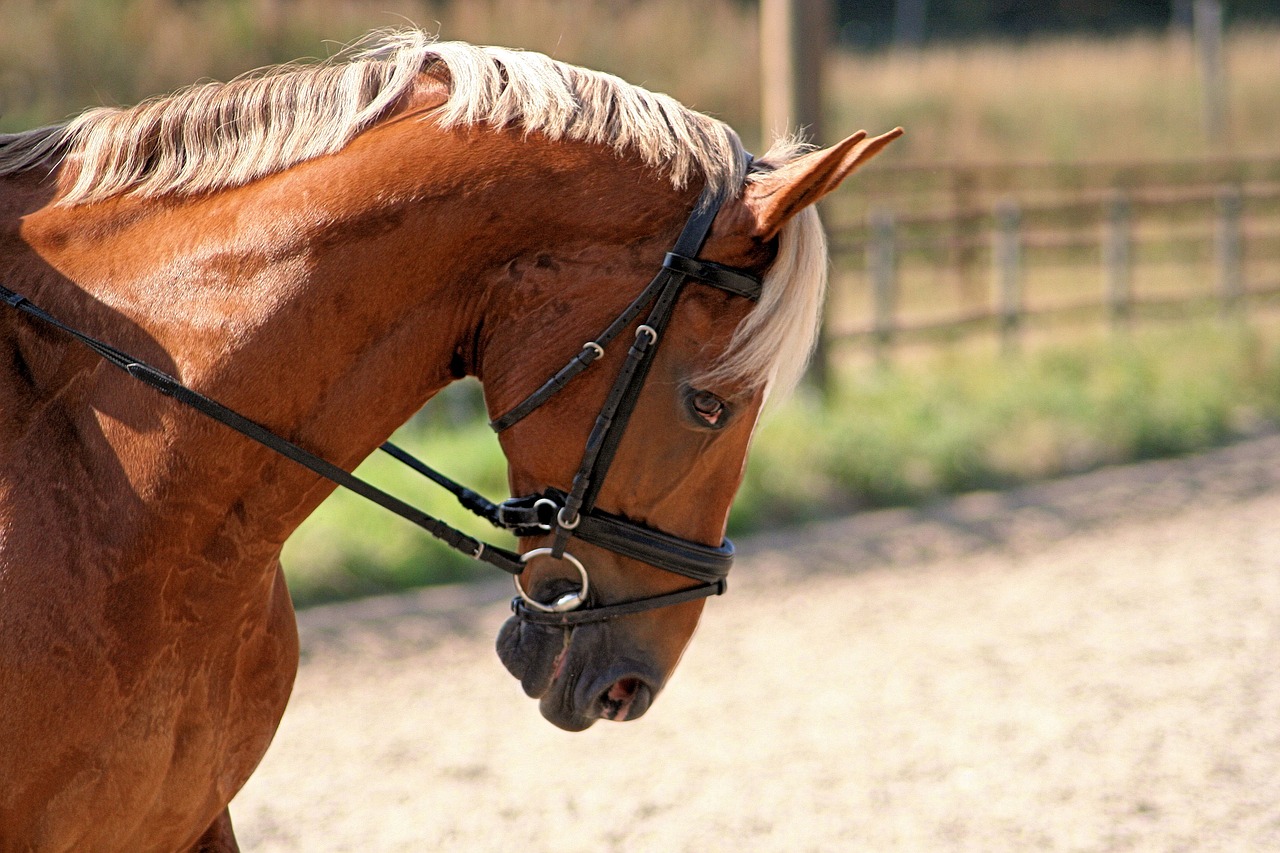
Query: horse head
point(676, 458)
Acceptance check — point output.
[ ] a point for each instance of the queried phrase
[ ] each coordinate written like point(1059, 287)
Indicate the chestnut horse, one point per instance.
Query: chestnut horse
point(322, 249)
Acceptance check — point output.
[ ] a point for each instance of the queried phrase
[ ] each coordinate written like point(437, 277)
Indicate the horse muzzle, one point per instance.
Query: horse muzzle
point(575, 674)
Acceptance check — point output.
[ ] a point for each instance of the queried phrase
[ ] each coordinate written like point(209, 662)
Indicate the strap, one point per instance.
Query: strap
point(672, 553)
point(717, 275)
point(611, 423)
point(574, 618)
point(470, 500)
point(535, 515)
point(622, 400)
point(591, 351)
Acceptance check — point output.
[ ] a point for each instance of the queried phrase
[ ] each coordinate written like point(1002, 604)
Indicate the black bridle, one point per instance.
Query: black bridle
point(563, 515)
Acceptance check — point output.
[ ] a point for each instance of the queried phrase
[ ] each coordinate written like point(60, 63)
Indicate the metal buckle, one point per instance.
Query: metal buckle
point(568, 601)
point(512, 505)
point(555, 507)
point(570, 523)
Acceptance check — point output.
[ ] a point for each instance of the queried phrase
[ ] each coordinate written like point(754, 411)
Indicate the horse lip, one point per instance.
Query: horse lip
point(557, 707)
point(525, 651)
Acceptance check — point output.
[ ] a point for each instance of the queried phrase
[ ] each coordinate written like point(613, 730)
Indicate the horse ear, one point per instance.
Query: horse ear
point(782, 194)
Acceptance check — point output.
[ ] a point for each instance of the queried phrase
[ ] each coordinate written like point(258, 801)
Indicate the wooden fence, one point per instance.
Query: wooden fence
point(932, 251)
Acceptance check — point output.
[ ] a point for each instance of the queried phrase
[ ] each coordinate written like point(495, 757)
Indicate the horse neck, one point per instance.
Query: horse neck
point(328, 303)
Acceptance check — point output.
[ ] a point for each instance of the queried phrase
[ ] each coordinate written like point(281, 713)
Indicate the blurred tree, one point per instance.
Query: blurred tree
point(873, 23)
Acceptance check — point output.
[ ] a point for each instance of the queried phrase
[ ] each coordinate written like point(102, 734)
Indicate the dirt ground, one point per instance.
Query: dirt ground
point(1091, 664)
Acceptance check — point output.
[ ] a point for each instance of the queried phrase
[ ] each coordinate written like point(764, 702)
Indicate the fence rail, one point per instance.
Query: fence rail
point(956, 250)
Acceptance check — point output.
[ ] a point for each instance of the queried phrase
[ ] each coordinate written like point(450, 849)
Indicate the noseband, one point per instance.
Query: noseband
point(562, 515)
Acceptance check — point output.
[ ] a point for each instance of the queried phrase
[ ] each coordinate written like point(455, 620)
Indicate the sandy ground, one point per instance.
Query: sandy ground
point(1091, 664)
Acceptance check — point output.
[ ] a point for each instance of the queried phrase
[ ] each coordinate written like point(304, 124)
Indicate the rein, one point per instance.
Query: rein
point(566, 515)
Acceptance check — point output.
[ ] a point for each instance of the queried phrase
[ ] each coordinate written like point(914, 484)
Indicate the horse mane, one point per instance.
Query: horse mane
point(215, 136)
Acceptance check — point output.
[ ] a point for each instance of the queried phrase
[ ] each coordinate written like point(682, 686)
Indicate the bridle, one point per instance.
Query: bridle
point(575, 513)
point(563, 515)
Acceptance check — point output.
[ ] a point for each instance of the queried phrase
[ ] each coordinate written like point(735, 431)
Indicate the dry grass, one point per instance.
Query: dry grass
point(61, 56)
point(1064, 99)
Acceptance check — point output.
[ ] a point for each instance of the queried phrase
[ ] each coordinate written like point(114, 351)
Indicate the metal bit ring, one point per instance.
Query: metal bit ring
point(568, 601)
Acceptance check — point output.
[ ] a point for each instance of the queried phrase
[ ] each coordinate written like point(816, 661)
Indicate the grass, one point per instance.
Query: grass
point(958, 420)
point(61, 56)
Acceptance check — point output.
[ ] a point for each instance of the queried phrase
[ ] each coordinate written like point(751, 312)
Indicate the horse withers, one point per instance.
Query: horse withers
point(322, 249)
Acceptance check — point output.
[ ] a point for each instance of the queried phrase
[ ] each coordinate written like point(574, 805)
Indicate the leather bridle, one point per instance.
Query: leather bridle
point(563, 515)
point(575, 514)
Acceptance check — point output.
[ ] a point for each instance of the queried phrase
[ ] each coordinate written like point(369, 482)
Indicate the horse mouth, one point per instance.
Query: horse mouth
point(556, 667)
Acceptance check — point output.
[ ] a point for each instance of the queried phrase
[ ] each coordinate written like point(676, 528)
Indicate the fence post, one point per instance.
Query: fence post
point(1116, 259)
point(1207, 21)
point(882, 271)
point(1229, 250)
point(793, 48)
point(1007, 260)
point(967, 217)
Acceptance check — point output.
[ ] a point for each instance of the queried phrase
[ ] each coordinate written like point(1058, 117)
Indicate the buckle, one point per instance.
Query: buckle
point(528, 515)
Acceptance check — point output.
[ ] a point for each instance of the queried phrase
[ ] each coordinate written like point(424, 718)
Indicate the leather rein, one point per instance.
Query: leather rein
point(564, 515)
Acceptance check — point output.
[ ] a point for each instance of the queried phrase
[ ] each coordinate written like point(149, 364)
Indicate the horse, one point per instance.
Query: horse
point(321, 249)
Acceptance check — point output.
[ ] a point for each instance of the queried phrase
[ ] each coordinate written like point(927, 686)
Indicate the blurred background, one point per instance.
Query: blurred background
point(1071, 259)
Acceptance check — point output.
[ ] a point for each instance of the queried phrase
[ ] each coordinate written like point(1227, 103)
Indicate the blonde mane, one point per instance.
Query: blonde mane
point(218, 135)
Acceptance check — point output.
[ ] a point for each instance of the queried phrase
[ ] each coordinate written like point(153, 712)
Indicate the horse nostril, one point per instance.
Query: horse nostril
point(626, 699)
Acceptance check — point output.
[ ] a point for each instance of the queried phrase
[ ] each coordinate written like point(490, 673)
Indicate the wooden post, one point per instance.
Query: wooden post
point(963, 250)
point(882, 270)
point(1207, 22)
point(1181, 18)
point(1116, 259)
point(908, 23)
point(1006, 253)
point(794, 35)
point(1229, 250)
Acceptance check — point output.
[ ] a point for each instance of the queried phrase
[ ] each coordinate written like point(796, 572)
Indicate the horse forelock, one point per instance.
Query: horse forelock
point(218, 135)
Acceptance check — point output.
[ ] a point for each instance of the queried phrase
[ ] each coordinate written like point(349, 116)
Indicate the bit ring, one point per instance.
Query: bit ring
point(568, 601)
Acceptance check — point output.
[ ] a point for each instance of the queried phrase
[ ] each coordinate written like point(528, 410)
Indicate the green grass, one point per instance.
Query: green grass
point(951, 422)
point(351, 547)
point(948, 422)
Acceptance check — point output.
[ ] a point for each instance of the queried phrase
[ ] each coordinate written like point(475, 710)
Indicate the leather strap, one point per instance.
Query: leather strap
point(589, 614)
point(535, 515)
point(591, 351)
point(672, 553)
point(717, 275)
point(166, 384)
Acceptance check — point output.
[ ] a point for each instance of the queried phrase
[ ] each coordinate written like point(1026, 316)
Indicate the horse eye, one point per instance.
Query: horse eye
point(709, 408)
